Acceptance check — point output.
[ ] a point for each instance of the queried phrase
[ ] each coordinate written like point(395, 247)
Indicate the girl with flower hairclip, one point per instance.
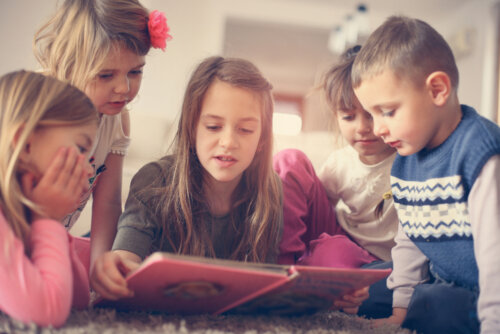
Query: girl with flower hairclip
point(100, 46)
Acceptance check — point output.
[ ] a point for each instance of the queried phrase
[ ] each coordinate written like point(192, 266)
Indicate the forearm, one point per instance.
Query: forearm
point(103, 230)
point(106, 207)
point(39, 289)
point(410, 269)
point(484, 210)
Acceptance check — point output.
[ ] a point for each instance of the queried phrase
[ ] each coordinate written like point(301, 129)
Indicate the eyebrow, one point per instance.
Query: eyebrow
point(141, 65)
point(113, 69)
point(245, 119)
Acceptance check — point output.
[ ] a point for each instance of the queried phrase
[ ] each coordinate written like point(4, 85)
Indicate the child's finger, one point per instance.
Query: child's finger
point(55, 168)
point(67, 170)
point(358, 296)
point(350, 310)
point(77, 176)
point(342, 304)
point(128, 266)
point(107, 278)
point(109, 290)
point(27, 184)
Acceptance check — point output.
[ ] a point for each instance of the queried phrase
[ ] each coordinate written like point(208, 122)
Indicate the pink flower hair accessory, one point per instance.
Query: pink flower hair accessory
point(158, 30)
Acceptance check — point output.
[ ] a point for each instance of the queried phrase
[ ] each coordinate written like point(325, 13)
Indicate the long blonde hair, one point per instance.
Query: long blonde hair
point(73, 44)
point(29, 101)
point(257, 199)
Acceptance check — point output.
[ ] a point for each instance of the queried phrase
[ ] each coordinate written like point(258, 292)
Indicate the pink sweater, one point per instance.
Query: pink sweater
point(41, 289)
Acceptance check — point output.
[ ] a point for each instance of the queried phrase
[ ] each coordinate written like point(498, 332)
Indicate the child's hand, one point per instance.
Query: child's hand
point(109, 271)
point(350, 303)
point(59, 189)
point(397, 317)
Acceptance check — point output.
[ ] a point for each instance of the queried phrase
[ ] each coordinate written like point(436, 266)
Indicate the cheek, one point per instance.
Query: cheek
point(91, 91)
point(346, 129)
point(97, 99)
point(200, 140)
point(135, 86)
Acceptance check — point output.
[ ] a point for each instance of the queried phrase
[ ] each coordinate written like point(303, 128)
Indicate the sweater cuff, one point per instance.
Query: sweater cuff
point(401, 297)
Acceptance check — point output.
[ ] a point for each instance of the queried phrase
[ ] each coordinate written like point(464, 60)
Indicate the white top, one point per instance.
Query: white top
point(357, 189)
point(110, 138)
point(411, 265)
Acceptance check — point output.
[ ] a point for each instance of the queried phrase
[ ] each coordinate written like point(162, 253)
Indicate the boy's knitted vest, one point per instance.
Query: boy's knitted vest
point(431, 189)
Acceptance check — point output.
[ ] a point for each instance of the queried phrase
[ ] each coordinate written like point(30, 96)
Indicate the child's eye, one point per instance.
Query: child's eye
point(135, 72)
point(213, 127)
point(347, 117)
point(82, 149)
point(388, 113)
point(245, 130)
point(105, 76)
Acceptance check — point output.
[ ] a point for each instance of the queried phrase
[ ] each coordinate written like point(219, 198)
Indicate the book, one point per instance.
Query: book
point(196, 285)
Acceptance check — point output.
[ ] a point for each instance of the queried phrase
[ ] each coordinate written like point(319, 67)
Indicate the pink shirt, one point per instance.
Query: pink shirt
point(41, 289)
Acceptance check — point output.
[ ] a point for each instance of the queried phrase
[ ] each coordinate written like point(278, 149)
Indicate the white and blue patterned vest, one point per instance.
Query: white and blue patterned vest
point(431, 189)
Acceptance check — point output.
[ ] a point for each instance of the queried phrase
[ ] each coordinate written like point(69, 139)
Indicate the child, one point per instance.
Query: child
point(100, 46)
point(47, 128)
point(216, 195)
point(340, 219)
point(445, 181)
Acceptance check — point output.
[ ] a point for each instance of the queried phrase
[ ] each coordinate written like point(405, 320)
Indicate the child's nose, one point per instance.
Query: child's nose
point(365, 124)
point(228, 139)
point(379, 129)
point(123, 86)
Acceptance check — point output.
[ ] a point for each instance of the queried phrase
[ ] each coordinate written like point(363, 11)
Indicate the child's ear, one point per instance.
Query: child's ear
point(439, 86)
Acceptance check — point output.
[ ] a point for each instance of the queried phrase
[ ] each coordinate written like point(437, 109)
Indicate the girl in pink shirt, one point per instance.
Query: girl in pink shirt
point(47, 128)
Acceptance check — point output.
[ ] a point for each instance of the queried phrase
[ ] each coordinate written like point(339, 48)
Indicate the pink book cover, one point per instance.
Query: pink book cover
point(311, 289)
point(193, 285)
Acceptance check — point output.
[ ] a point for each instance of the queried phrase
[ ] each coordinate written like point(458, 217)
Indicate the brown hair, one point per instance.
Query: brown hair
point(257, 199)
point(336, 82)
point(409, 47)
point(339, 93)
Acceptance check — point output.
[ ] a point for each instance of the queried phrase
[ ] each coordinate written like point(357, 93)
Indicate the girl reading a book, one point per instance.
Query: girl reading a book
point(216, 195)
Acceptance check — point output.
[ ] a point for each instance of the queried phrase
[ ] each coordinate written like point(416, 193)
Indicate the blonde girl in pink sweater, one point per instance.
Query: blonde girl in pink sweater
point(46, 131)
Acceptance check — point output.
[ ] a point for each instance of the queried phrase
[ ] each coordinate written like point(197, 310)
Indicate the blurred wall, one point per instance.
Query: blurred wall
point(198, 30)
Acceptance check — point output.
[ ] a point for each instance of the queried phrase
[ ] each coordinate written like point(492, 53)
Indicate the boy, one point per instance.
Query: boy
point(445, 181)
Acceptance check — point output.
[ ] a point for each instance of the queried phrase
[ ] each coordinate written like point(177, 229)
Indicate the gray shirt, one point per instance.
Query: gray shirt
point(140, 229)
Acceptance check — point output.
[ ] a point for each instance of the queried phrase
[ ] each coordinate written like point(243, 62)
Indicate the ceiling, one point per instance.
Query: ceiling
point(293, 55)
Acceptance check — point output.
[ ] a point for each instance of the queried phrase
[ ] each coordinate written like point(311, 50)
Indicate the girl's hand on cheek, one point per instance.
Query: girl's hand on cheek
point(58, 191)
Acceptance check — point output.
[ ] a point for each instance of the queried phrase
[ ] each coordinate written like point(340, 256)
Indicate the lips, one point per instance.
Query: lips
point(367, 141)
point(225, 160)
point(118, 104)
point(396, 143)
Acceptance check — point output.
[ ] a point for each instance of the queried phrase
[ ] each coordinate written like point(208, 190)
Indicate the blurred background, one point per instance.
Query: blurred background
point(292, 41)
